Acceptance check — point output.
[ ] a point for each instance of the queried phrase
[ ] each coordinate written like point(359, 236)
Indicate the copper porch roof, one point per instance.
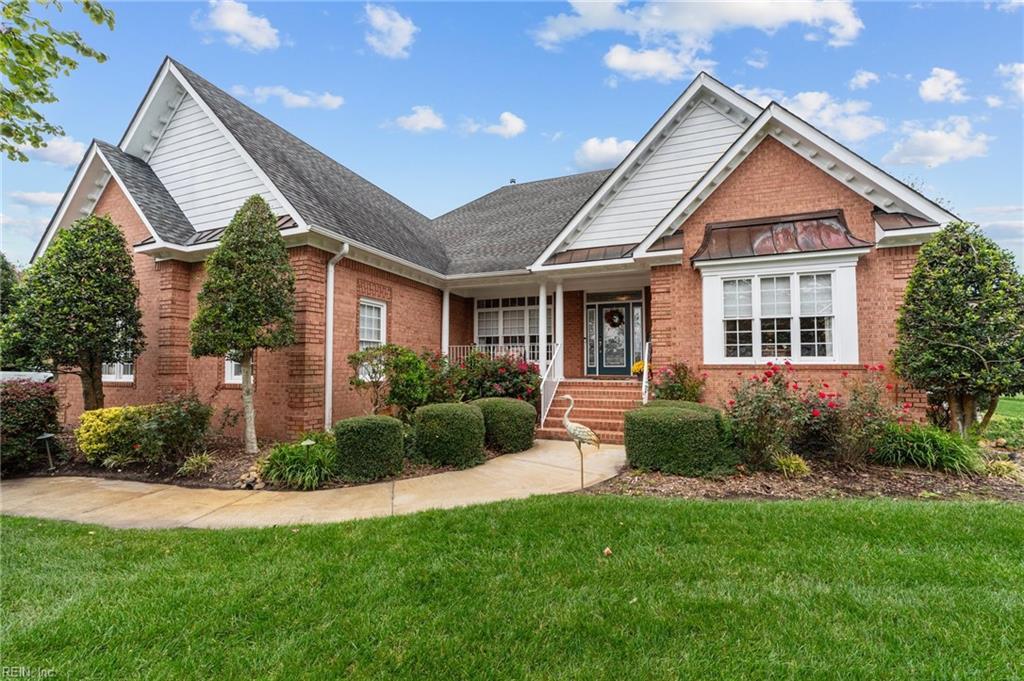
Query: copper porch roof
point(890, 221)
point(803, 233)
point(576, 255)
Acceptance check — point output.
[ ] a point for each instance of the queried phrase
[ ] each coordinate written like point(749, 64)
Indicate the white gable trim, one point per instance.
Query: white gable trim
point(852, 171)
point(702, 84)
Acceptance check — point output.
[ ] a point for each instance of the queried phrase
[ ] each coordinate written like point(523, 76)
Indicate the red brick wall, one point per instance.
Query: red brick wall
point(460, 320)
point(413, 320)
point(771, 181)
point(573, 331)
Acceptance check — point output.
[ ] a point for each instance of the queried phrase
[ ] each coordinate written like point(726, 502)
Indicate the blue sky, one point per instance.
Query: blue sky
point(440, 103)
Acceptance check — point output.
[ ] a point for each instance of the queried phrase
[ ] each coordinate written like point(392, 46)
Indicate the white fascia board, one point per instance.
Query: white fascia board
point(65, 203)
point(183, 82)
point(783, 261)
point(635, 158)
point(611, 262)
point(911, 236)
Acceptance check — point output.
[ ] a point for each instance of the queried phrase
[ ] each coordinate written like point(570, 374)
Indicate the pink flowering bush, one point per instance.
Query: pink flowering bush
point(479, 375)
point(678, 382)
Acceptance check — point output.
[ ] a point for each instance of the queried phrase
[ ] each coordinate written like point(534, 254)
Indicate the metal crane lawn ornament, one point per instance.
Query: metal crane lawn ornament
point(579, 433)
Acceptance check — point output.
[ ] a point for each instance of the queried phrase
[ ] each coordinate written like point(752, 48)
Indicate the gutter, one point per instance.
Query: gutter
point(329, 338)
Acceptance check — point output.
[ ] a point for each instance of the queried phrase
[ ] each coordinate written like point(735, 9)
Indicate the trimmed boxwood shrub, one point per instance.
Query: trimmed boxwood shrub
point(679, 441)
point(369, 447)
point(450, 434)
point(30, 409)
point(680, 404)
point(509, 424)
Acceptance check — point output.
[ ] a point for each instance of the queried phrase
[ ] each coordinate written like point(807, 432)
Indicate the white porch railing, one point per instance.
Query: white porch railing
point(549, 382)
point(646, 386)
point(528, 351)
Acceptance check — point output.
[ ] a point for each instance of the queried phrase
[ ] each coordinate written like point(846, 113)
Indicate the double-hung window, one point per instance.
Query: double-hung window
point(118, 372)
point(373, 319)
point(799, 315)
point(232, 372)
point(513, 323)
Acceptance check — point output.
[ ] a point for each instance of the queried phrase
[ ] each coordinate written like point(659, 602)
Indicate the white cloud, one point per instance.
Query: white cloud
point(422, 119)
point(952, 139)
point(1014, 75)
point(675, 37)
point(61, 151)
point(1009, 5)
point(553, 136)
point(847, 119)
point(510, 125)
point(391, 34)
point(757, 59)
point(602, 153)
point(862, 79)
point(307, 99)
point(993, 102)
point(36, 198)
point(659, 64)
point(944, 85)
point(241, 28)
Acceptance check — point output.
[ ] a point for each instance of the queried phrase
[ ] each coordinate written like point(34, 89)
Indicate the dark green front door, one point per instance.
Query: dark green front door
point(614, 339)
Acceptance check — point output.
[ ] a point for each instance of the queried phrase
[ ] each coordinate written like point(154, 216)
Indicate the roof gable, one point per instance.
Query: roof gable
point(683, 161)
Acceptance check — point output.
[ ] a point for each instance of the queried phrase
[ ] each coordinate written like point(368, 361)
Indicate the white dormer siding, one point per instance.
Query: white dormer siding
point(203, 171)
point(667, 174)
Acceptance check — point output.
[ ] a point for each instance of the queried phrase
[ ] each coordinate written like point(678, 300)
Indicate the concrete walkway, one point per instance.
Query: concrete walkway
point(549, 468)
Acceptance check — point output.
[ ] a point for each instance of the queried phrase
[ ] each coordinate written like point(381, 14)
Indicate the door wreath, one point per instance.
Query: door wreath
point(614, 318)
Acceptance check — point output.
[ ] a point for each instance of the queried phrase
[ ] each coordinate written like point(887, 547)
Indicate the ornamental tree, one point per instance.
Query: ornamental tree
point(78, 306)
point(961, 328)
point(248, 299)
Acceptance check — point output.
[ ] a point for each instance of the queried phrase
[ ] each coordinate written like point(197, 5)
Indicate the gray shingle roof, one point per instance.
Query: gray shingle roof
point(510, 227)
point(324, 192)
point(155, 202)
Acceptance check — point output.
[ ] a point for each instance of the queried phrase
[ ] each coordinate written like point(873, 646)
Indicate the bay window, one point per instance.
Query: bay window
point(803, 313)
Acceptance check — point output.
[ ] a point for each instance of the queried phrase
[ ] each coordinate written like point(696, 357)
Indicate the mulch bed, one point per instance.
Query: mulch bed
point(827, 480)
point(230, 463)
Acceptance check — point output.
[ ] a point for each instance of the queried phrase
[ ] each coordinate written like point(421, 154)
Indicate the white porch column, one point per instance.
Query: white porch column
point(445, 315)
point(559, 309)
point(542, 327)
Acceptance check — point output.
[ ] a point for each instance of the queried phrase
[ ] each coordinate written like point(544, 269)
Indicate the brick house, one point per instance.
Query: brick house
point(730, 236)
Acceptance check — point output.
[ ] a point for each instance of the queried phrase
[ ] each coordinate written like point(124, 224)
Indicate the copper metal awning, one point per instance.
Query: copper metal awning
point(802, 233)
point(892, 221)
point(577, 255)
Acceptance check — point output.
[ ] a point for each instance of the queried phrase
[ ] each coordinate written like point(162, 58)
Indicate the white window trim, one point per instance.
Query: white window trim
point(120, 375)
point(229, 374)
point(842, 267)
point(383, 306)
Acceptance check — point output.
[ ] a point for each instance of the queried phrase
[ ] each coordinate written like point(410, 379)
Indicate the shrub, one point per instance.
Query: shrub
point(122, 434)
point(182, 422)
point(678, 441)
point(678, 382)
point(293, 464)
point(1001, 468)
point(369, 447)
point(927, 447)
point(846, 425)
point(195, 465)
point(396, 376)
point(1009, 428)
point(681, 404)
point(29, 410)
point(450, 434)
point(791, 465)
point(509, 424)
point(479, 375)
point(767, 413)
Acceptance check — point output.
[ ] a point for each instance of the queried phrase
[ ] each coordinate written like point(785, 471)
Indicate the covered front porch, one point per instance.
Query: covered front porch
point(594, 327)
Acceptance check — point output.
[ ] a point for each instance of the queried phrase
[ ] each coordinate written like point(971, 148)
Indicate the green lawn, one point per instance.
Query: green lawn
point(1011, 406)
point(825, 589)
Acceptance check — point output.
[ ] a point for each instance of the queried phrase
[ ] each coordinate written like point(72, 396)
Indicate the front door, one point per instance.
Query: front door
point(614, 340)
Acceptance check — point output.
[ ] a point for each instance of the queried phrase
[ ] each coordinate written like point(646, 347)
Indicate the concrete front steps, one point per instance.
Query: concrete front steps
point(600, 405)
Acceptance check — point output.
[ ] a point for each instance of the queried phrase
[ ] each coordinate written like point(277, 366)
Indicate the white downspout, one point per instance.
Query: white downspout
point(329, 339)
point(445, 317)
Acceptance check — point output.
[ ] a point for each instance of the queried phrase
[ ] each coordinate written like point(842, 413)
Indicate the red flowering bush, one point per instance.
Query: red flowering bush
point(767, 414)
point(678, 382)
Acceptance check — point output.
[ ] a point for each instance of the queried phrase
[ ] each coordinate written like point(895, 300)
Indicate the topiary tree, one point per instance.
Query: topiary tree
point(248, 299)
point(961, 328)
point(78, 307)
